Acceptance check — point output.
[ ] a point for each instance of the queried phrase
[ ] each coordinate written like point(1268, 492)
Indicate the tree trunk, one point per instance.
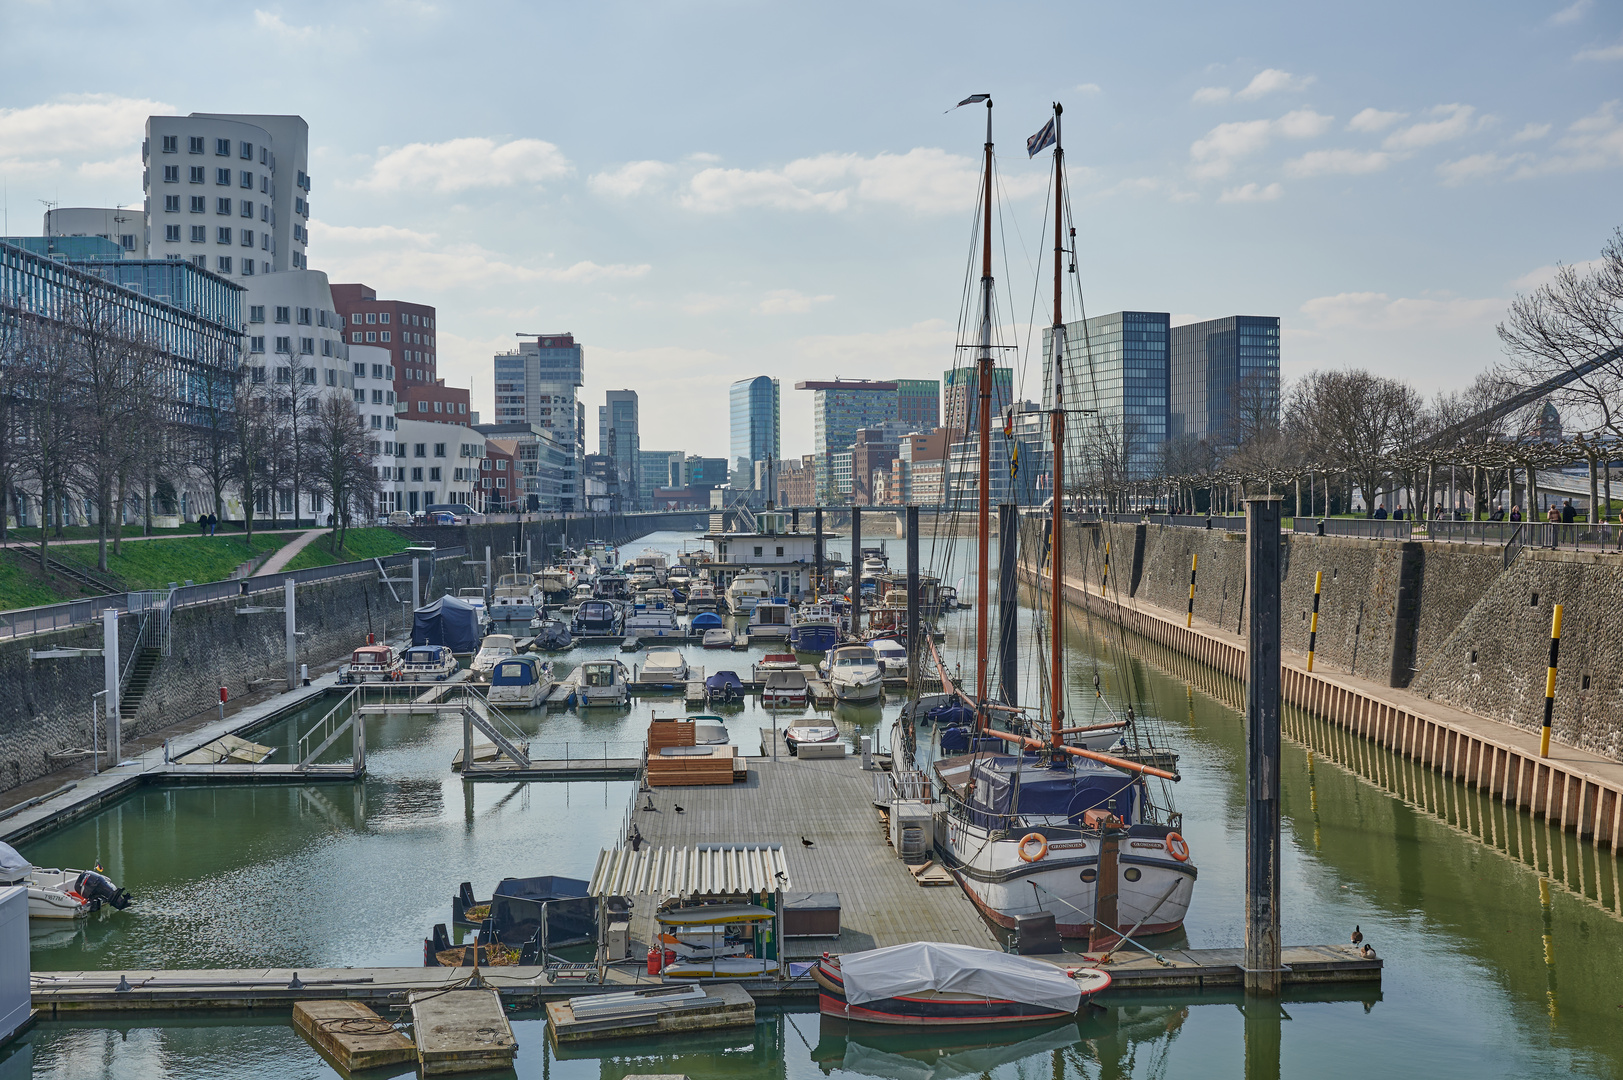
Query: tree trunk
point(1594, 493)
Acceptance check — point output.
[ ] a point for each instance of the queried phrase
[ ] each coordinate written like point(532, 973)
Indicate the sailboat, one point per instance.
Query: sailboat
point(1035, 825)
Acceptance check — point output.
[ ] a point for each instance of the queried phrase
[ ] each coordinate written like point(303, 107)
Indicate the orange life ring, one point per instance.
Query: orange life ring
point(1177, 847)
point(1042, 847)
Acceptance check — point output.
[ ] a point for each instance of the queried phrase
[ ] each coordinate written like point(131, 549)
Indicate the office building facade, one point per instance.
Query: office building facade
point(409, 333)
point(536, 385)
point(619, 438)
point(918, 403)
point(753, 410)
point(961, 397)
point(1119, 366)
point(840, 409)
point(1224, 382)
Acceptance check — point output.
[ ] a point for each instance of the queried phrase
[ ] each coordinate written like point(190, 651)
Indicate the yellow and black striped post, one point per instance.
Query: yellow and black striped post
point(1194, 560)
point(1549, 682)
point(1106, 576)
point(1313, 624)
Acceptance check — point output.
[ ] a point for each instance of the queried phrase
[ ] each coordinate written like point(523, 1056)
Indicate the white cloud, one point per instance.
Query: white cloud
point(1211, 95)
point(1252, 193)
point(1603, 52)
point(1477, 166)
point(1089, 88)
point(1378, 311)
point(1572, 13)
point(788, 302)
point(1337, 163)
point(99, 133)
point(1531, 132)
point(1591, 142)
point(1546, 274)
point(1451, 122)
point(1216, 152)
point(630, 179)
point(271, 23)
point(461, 164)
point(1374, 120)
point(1146, 185)
point(404, 260)
point(1273, 81)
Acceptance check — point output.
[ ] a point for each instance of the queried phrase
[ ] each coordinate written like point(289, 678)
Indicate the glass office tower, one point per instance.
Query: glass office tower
point(1119, 366)
point(753, 405)
point(1225, 378)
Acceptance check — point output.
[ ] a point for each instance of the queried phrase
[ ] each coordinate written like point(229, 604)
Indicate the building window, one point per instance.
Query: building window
point(194, 144)
point(222, 147)
point(307, 346)
point(501, 464)
point(439, 449)
point(326, 350)
point(284, 345)
point(247, 152)
point(434, 476)
point(222, 206)
point(171, 144)
point(384, 318)
point(199, 204)
point(501, 481)
point(371, 317)
point(309, 376)
point(417, 476)
point(247, 238)
point(256, 313)
point(171, 204)
point(377, 421)
point(304, 316)
point(200, 261)
point(248, 267)
point(171, 233)
point(436, 406)
point(377, 397)
point(196, 175)
point(256, 344)
point(200, 234)
point(246, 179)
point(383, 335)
point(284, 314)
point(377, 371)
point(247, 210)
point(371, 335)
point(222, 177)
point(332, 373)
point(422, 406)
point(222, 235)
point(419, 450)
point(171, 174)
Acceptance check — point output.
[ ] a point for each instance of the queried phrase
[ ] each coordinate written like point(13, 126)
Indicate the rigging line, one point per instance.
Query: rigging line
point(1008, 278)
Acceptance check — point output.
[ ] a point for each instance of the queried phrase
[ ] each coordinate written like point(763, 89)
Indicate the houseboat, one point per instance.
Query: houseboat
point(770, 620)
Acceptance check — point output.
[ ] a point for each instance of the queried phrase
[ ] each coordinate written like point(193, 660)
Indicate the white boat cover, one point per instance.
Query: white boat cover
point(902, 970)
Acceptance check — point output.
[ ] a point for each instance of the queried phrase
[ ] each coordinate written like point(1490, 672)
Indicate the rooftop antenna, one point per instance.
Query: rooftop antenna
point(50, 204)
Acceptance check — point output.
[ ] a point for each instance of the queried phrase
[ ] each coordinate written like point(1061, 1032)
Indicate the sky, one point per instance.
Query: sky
point(709, 191)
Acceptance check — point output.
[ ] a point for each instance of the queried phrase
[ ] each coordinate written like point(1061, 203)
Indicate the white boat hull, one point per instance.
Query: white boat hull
point(856, 690)
point(516, 697)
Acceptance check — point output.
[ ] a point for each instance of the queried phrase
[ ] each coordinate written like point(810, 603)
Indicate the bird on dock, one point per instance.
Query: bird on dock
point(808, 843)
point(679, 810)
point(1367, 952)
point(1358, 936)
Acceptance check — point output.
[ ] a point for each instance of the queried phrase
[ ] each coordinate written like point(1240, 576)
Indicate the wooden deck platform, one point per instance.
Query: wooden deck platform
point(587, 768)
point(461, 1031)
point(830, 803)
point(351, 1035)
point(230, 771)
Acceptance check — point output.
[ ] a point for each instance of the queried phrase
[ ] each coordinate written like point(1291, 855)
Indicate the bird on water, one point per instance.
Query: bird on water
point(1358, 936)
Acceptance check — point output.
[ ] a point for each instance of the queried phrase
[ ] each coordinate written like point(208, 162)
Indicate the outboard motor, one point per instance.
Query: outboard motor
point(99, 889)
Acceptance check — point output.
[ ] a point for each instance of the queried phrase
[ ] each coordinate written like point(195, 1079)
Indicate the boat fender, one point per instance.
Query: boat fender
point(1177, 847)
point(1042, 847)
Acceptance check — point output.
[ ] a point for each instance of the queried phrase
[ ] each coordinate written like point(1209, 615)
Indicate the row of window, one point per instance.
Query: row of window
point(449, 406)
point(285, 314)
point(375, 317)
point(379, 371)
point(222, 148)
point(223, 207)
point(222, 235)
point(198, 174)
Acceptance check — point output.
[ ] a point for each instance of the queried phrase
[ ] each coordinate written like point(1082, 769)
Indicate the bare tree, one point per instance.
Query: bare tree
point(1358, 419)
point(11, 415)
point(339, 447)
point(254, 435)
point(298, 399)
point(50, 437)
point(212, 433)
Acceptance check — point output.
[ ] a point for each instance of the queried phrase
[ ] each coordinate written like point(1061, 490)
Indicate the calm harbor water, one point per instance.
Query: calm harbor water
point(1501, 937)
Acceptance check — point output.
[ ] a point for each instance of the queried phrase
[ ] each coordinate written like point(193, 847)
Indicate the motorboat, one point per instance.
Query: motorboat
point(476, 597)
point(663, 667)
point(702, 596)
point(582, 593)
point(816, 628)
point(892, 656)
point(746, 590)
point(809, 730)
point(494, 648)
point(371, 663)
point(601, 682)
point(558, 580)
point(549, 635)
point(615, 586)
point(931, 983)
point(596, 618)
point(774, 662)
point(709, 730)
point(706, 620)
point(679, 577)
point(651, 564)
point(60, 894)
point(603, 553)
point(718, 637)
point(724, 686)
point(515, 598)
point(643, 622)
point(520, 681)
point(425, 663)
point(770, 620)
point(658, 599)
point(785, 688)
point(853, 673)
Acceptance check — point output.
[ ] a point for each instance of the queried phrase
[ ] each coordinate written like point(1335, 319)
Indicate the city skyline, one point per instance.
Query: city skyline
point(1385, 196)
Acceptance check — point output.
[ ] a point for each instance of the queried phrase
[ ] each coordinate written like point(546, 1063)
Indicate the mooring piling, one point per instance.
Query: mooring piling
point(1262, 946)
point(1549, 681)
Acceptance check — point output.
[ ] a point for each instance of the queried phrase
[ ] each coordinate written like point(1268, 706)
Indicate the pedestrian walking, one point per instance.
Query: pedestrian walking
point(1516, 512)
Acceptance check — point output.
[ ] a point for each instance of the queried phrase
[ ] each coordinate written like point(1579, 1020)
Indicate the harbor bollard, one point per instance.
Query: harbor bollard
point(1313, 626)
point(1549, 682)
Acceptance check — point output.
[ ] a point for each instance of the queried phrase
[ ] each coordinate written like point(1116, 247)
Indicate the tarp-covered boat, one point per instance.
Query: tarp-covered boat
point(450, 622)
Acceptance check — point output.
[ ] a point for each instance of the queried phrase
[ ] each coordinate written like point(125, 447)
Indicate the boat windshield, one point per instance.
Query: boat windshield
point(855, 659)
point(599, 674)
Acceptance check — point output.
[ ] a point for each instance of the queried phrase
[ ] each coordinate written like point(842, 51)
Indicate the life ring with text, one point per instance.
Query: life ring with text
point(1042, 847)
point(1177, 847)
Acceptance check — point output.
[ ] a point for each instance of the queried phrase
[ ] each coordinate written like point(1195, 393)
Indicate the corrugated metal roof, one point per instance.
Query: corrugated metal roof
point(707, 870)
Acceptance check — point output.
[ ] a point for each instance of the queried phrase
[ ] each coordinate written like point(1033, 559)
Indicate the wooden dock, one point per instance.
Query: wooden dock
point(461, 1031)
point(650, 1012)
point(351, 1035)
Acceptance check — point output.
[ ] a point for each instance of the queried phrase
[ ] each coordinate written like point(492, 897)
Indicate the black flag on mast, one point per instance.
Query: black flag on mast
point(970, 100)
point(1042, 140)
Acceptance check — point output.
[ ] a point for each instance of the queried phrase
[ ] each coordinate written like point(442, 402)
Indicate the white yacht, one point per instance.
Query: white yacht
point(518, 682)
point(645, 622)
point(702, 596)
point(747, 590)
point(663, 667)
point(492, 650)
point(892, 656)
point(600, 682)
point(853, 673)
point(770, 620)
point(516, 598)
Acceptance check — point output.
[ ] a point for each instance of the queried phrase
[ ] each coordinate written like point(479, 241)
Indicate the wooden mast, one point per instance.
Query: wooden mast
point(1056, 425)
point(983, 483)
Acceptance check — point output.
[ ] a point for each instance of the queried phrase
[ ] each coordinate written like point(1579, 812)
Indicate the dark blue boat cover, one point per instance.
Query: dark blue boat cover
point(447, 621)
point(707, 620)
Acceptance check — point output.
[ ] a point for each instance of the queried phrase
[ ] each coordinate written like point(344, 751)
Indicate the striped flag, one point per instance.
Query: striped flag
point(1042, 140)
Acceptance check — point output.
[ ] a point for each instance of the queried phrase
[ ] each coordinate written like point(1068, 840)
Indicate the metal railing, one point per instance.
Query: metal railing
point(1225, 522)
point(585, 754)
point(1367, 528)
point(1551, 535)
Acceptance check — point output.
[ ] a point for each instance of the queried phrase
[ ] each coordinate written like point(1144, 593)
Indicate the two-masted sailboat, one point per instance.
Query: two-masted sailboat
point(1040, 819)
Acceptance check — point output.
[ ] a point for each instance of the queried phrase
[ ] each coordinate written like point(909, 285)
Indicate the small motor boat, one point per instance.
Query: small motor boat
point(718, 638)
point(60, 894)
point(785, 688)
point(937, 984)
point(551, 635)
point(423, 663)
point(724, 686)
point(705, 620)
point(811, 730)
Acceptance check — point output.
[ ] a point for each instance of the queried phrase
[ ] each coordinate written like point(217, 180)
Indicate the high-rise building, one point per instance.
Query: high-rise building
point(536, 385)
point(1117, 365)
point(228, 192)
point(841, 408)
point(962, 397)
point(618, 437)
point(658, 469)
point(1224, 384)
point(409, 333)
point(753, 406)
point(918, 403)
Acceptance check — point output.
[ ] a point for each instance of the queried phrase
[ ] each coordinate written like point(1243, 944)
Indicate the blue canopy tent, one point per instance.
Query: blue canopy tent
point(447, 621)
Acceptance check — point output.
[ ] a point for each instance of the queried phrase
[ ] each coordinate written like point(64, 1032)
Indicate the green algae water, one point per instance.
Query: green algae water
point(1502, 938)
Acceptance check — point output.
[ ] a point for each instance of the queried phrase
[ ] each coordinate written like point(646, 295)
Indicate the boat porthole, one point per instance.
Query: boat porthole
point(1090, 874)
point(1133, 873)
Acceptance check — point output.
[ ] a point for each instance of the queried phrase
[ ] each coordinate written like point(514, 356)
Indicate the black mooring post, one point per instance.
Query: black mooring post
point(915, 637)
point(1008, 527)
point(856, 572)
point(1262, 948)
point(817, 551)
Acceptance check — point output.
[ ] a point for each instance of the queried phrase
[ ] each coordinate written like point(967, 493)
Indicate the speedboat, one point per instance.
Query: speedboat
point(679, 577)
point(549, 635)
point(60, 894)
point(663, 667)
point(558, 580)
point(774, 662)
point(770, 619)
point(785, 688)
point(371, 663)
point(519, 681)
point(724, 686)
point(892, 656)
point(644, 622)
point(600, 682)
point(514, 599)
point(853, 673)
point(615, 586)
point(494, 648)
point(596, 618)
point(747, 590)
point(702, 596)
point(718, 637)
point(816, 628)
point(809, 730)
point(931, 983)
point(423, 663)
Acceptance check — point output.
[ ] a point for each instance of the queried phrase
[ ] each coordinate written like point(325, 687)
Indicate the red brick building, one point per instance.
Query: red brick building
point(498, 478)
point(410, 334)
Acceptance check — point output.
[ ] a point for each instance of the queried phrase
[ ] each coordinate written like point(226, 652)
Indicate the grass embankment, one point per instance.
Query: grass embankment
point(22, 585)
point(366, 543)
point(153, 564)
